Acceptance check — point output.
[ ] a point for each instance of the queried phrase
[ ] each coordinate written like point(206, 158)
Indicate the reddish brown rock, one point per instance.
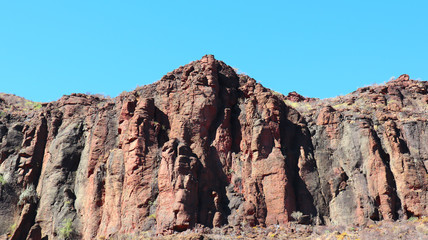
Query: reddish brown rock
point(380, 180)
point(296, 97)
point(178, 187)
point(204, 147)
point(411, 183)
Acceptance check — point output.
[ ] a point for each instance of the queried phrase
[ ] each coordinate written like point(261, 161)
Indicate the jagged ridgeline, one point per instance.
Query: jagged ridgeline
point(204, 146)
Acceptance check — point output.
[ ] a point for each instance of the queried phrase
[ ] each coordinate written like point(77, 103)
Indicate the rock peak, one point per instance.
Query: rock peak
point(403, 77)
point(296, 97)
point(209, 58)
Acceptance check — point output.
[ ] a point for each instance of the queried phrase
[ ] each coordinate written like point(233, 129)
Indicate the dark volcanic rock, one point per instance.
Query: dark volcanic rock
point(205, 147)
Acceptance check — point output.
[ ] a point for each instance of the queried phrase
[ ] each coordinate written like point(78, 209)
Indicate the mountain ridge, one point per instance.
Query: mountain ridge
point(204, 146)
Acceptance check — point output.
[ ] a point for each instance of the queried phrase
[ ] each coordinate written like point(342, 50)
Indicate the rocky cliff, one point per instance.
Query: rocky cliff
point(204, 146)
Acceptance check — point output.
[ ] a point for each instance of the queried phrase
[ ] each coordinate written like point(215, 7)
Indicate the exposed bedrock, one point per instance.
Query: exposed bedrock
point(207, 147)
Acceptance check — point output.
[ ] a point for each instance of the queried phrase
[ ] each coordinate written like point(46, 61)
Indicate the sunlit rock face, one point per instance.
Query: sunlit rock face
point(207, 147)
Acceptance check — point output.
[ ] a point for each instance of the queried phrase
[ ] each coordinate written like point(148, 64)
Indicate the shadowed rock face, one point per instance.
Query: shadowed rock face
point(204, 146)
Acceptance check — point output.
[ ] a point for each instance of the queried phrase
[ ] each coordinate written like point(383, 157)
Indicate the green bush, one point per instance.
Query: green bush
point(37, 105)
point(12, 228)
point(67, 229)
point(2, 180)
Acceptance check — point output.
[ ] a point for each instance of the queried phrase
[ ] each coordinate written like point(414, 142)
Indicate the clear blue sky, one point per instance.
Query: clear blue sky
point(317, 48)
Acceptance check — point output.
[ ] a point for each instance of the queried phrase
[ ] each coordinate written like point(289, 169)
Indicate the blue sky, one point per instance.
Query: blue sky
point(317, 48)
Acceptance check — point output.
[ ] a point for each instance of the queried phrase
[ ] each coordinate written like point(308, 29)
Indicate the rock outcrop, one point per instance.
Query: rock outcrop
point(204, 146)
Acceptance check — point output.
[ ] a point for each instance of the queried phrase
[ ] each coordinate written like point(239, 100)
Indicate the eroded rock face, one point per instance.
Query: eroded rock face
point(370, 153)
point(178, 187)
point(204, 146)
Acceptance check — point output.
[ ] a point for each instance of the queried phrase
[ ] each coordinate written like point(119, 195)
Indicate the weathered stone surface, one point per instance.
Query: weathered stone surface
point(178, 187)
point(361, 145)
point(205, 147)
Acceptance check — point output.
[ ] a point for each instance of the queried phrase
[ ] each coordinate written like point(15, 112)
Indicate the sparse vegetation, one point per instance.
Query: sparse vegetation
point(29, 195)
point(376, 127)
point(37, 105)
point(12, 228)
point(2, 180)
point(296, 215)
point(341, 236)
point(380, 230)
point(66, 230)
point(292, 104)
point(275, 93)
point(340, 106)
point(29, 105)
point(301, 106)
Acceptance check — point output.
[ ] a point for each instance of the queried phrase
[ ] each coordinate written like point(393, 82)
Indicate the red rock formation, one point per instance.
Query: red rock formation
point(206, 147)
point(178, 187)
point(296, 97)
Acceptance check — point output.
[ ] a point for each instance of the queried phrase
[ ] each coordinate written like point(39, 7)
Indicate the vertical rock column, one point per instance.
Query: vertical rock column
point(178, 188)
point(380, 180)
point(410, 177)
point(138, 133)
point(268, 191)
